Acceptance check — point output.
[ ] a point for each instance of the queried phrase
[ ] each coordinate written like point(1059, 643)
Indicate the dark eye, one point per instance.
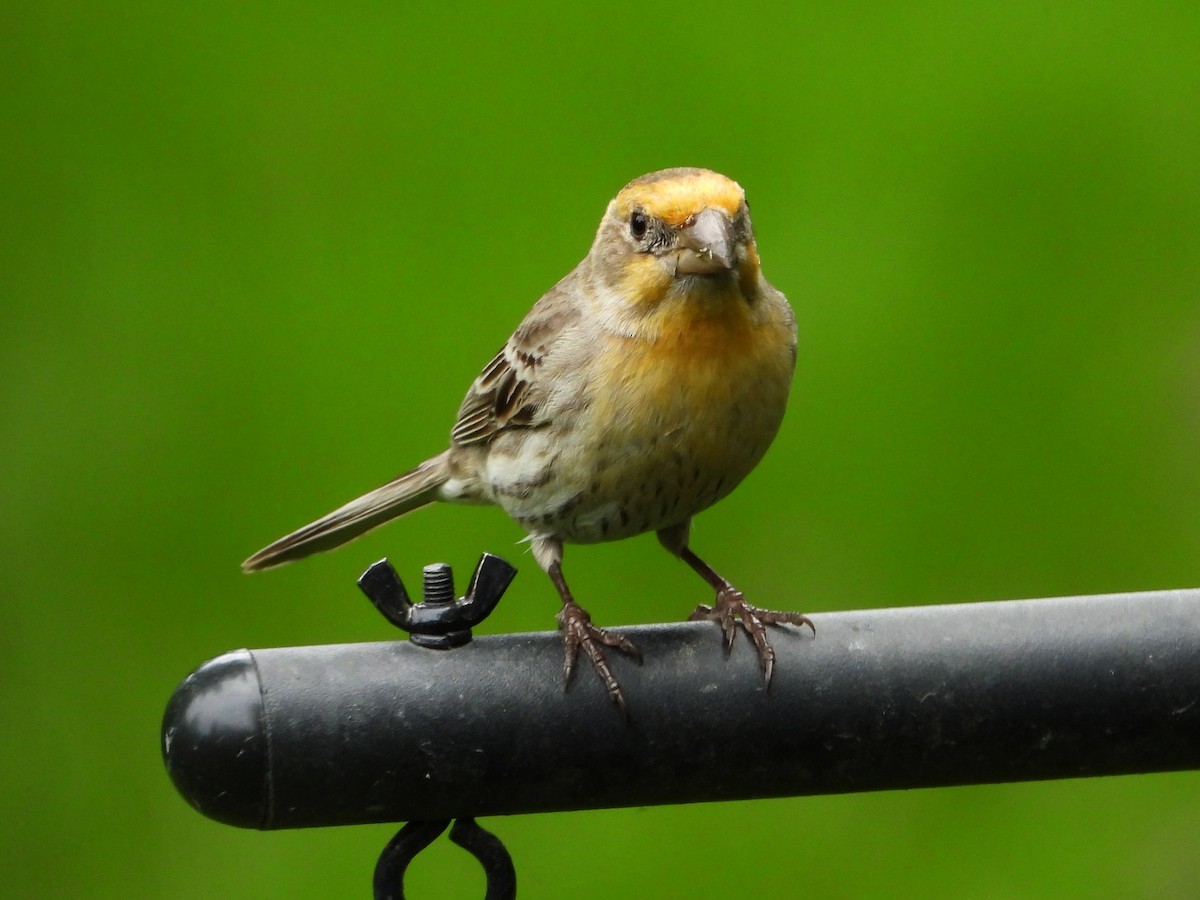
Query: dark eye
point(638, 223)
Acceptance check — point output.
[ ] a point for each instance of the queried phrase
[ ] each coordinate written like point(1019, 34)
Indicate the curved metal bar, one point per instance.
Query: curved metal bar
point(399, 852)
point(416, 836)
point(492, 855)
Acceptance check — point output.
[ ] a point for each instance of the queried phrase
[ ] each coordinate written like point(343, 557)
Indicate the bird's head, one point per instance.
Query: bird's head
point(677, 231)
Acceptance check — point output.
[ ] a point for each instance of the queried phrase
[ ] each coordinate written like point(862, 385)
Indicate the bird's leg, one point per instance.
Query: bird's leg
point(579, 632)
point(731, 609)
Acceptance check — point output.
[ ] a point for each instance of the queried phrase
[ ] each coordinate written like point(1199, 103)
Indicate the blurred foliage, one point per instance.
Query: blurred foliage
point(252, 255)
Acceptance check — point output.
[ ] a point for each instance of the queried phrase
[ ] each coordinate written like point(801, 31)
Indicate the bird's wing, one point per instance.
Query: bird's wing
point(511, 391)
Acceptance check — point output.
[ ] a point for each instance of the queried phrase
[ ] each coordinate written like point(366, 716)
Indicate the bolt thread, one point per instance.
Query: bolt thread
point(438, 584)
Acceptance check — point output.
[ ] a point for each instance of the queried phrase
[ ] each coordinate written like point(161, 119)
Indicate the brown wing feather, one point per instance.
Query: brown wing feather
point(508, 392)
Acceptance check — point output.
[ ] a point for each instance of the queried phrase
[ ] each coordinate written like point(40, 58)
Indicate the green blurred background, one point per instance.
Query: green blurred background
point(252, 255)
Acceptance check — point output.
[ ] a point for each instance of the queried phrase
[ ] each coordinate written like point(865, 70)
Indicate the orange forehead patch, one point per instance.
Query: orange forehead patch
point(682, 193)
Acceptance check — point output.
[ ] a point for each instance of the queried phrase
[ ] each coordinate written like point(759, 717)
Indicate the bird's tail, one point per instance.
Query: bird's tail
point(410, 491)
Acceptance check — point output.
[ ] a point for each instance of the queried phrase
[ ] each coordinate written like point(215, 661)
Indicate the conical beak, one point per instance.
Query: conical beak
point(706, 243)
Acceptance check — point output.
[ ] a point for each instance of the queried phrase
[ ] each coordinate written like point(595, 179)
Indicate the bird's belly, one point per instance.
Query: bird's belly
point(651, 449)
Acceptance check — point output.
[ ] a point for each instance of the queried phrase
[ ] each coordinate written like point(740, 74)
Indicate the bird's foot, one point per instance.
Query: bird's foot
point(732, 610)
point(579, 633)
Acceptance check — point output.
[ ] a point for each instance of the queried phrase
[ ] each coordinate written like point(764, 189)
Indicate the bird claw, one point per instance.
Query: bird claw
point(732, 610)
point(579, 632)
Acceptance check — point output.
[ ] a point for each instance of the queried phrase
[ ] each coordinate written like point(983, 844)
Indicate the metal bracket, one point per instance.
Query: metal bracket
point(441, 622)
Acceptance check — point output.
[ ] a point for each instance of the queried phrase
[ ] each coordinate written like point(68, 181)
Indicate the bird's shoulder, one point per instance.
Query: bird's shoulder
point(513, 389)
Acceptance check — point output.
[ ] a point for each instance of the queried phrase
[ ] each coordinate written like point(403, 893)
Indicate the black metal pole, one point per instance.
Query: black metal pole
point(880, 699)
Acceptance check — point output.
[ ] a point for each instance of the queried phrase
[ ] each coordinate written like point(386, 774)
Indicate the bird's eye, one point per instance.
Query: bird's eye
point(638, 223)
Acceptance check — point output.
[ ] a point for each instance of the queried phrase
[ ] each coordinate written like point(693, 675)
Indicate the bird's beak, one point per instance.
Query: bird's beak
point(706, 243)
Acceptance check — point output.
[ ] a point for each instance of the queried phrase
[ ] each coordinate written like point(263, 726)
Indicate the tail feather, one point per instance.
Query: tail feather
point(410, 491)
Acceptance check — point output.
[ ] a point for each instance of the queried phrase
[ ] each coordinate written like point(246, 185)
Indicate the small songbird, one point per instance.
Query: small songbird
point(639, 391)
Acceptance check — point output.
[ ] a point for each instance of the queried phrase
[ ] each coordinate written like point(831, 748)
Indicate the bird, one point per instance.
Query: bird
point(636, 393)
